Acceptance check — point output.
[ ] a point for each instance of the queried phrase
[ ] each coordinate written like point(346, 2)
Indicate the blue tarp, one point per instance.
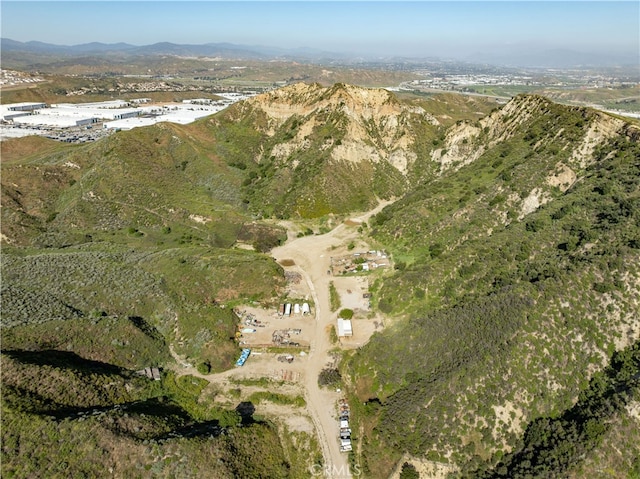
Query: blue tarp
point(243, 356)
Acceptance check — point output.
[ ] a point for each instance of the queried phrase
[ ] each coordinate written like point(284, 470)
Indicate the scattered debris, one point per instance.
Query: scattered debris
point(151, 373)
point(358, 262)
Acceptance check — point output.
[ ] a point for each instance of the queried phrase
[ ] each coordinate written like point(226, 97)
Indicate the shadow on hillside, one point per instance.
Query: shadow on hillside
point(65, 360)
point(200, 429)
point(147, 411)
point(146, 328)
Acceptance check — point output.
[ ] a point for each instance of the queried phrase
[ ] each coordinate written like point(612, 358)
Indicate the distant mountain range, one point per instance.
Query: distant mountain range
point(224, 50)
point(521, 56)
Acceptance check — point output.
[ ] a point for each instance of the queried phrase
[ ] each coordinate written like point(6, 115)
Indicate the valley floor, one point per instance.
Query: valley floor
point(310, 258)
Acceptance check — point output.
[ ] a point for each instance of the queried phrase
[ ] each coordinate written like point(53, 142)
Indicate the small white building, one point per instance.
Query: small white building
point(344, 328)
point(305, 308)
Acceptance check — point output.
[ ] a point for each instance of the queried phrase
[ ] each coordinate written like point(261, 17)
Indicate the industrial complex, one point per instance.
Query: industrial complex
point(22, 119)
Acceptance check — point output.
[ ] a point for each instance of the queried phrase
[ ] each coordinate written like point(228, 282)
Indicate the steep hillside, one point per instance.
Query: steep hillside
point(310, 150)
point(145, 178)
point(555, 445)
point(516, 278)
point(301, 151)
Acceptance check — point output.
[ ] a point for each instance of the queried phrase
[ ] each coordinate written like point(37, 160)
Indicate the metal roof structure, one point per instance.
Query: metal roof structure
point(344, 328)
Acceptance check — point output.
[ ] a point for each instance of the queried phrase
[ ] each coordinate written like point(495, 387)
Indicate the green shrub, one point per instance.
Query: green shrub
point(334, 297)
point(409, 471)
point(329, 377)
point(333, 335)
point(204, 367)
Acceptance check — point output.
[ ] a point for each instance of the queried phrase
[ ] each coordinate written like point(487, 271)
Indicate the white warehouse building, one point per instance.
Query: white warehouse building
point(24, 106)
point(99, 104)
point(12, 111)
point(102, 113)
point(55, 121)
point(182, 114)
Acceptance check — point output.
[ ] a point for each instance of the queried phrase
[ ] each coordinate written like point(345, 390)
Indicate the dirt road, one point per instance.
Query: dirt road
point(311, 255)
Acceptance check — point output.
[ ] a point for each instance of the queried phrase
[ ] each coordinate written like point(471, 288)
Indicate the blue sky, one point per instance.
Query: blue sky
point(420, 28)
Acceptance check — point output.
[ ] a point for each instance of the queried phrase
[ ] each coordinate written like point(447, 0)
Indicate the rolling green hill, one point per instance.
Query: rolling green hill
point(114, 254)
point(138, 225)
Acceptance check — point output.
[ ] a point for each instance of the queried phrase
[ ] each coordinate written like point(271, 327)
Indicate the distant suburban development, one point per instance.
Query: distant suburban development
point(81, 122)
point(504, 85)
point(448, 81)
point(12, 78)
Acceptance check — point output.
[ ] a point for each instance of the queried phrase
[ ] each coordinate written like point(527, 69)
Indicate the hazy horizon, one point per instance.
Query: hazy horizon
point(410, 29)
